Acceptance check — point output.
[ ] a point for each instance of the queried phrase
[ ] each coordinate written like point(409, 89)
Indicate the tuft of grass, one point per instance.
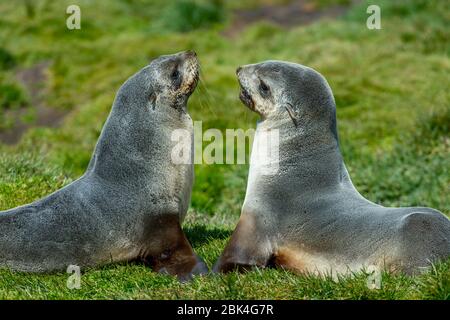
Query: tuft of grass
point(435, 285)
point(7, 60)
point(327, 3)
point(12, 96)
point(188, 15)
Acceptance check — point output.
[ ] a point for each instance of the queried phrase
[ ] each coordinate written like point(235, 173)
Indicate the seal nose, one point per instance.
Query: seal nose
point(190, 53)
point(238, 70)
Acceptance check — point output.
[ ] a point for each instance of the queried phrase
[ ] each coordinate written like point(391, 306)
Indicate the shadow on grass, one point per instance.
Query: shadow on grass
point(200, 234)
point(197, 235)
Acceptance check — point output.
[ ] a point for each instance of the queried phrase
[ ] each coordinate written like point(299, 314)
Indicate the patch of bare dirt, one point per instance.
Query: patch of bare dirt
point(299, 12)
point(34, 80)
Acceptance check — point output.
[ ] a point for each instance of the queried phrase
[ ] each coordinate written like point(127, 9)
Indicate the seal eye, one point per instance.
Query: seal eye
point(175, 74)
point(264, 89)
point(176, 78)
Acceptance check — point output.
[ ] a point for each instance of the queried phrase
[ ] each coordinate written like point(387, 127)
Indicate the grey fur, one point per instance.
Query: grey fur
point(309, 216)
point(107, 214)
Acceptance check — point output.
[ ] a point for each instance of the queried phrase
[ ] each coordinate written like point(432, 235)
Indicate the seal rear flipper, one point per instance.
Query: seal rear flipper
point(246, 249)
point(425, 239)
point(170, 252)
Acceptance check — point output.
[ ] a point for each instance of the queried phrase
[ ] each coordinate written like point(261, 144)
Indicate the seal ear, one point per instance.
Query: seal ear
point(152, 99)
point(292, 113)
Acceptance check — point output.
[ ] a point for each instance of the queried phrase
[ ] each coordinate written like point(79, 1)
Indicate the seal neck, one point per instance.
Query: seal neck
point(310, 160)
point(134, 147)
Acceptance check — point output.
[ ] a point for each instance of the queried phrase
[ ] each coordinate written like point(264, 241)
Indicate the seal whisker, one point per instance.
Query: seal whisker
point(290, 111)
point(203, 87)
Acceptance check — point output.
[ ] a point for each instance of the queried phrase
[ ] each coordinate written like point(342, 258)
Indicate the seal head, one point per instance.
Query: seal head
point(171, 79)
point(278, 91)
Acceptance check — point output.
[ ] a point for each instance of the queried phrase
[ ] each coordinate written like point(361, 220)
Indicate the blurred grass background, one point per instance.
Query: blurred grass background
point(391, 88)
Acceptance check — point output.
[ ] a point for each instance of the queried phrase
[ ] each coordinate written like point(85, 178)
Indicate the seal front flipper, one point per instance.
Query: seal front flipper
point(248, 247)
point(169, 250)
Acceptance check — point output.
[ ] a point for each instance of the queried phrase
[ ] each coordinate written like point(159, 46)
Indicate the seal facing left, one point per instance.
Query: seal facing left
point(301, 210)
point(132, 199)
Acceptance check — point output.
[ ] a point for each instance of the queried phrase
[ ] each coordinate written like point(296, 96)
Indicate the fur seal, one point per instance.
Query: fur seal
point(308, 216)
point(131, 200)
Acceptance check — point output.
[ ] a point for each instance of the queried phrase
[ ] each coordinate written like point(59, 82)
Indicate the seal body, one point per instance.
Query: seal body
point(132, 199)
point(306, 215)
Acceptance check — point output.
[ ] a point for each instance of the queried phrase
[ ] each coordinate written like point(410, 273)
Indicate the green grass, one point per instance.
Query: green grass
point(188, 15)
point(138, 282)
point(391, 89)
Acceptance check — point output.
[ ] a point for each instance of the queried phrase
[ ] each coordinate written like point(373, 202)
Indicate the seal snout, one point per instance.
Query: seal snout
point(246, 98)
point(244, 94)
point(189, 54)
point(192, 69)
